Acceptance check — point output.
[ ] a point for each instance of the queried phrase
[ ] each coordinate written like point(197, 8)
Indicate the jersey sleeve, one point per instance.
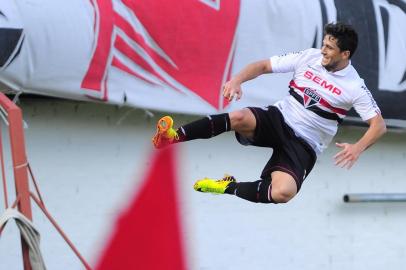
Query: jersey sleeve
point(286, 62)
point(364, 104)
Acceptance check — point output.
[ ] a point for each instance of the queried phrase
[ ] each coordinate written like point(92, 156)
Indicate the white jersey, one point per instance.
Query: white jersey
point(319, 96)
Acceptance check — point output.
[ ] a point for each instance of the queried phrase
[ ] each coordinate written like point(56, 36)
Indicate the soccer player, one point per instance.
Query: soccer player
point(324, 87)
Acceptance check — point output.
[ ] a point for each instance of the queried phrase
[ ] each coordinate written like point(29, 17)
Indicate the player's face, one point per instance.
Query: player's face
point(333, 59)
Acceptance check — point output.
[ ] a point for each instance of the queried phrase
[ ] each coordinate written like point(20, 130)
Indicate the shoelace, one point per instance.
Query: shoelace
point(227, 178)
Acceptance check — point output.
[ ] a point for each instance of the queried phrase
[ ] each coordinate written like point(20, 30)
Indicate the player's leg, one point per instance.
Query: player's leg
point(284, 187)
point(292, 160)
point(207, 127)
point(243, 122)
point(280, 188)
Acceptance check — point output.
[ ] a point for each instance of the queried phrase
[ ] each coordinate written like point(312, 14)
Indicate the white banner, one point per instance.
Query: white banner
point(175, 55)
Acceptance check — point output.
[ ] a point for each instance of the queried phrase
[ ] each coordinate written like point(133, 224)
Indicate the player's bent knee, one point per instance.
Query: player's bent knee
point(236, 118)
point(283, 187)
point(282, 194)
point(242, 120)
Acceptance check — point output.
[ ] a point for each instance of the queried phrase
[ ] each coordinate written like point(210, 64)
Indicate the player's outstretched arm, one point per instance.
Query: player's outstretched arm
point(350, 152)
point(232, 88)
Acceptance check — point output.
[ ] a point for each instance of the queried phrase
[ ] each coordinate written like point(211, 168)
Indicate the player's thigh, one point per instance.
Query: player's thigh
point(243, 121)
point(283, 186)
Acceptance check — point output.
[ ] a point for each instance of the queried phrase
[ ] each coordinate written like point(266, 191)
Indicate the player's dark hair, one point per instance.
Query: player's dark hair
point(347, 37)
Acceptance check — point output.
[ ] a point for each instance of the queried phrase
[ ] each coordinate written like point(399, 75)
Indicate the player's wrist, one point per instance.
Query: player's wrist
point(236, 81)
point(361, 147)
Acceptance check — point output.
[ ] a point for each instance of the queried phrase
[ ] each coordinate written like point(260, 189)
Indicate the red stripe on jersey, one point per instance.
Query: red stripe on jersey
point(322, 101)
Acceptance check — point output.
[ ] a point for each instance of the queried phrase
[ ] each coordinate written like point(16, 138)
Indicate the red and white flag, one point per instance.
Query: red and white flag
point(184, 46)
point(155, 54)
point(148, 235)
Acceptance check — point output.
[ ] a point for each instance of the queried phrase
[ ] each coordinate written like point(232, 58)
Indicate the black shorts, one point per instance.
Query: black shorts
point(291, 154)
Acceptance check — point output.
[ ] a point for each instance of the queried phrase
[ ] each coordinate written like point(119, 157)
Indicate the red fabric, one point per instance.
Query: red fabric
point(148, 234)
point(198, 37)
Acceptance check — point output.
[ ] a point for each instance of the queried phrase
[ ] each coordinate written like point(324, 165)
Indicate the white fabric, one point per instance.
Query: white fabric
point(343, 89)
point(30, 235)
point(175, 59)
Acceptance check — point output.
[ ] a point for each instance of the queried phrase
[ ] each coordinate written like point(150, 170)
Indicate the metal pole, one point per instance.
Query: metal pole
point(15, 120)
point(62, 233)
point(374, 197)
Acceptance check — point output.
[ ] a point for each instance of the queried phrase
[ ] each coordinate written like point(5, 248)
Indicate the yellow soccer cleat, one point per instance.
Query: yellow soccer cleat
point(165, 133)
point(213, 185)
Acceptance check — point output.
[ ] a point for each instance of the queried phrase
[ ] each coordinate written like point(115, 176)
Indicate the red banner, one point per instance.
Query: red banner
point(186, 46)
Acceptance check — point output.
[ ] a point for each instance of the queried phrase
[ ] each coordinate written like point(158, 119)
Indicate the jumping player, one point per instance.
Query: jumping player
point(324, 87)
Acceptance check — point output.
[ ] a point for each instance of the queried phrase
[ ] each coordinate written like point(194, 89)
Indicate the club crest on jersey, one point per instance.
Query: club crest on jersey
point(310, 97)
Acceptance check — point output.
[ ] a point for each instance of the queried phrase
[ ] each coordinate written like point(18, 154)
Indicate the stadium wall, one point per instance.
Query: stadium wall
point(89, 159)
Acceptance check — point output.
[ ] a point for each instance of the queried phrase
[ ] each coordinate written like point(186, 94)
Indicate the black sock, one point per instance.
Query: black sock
point(231, 188)
point(205, 128)
point(258, 191)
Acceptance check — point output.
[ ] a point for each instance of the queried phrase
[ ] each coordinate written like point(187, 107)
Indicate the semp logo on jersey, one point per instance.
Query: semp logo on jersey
point(320, 81)
point(310, 97)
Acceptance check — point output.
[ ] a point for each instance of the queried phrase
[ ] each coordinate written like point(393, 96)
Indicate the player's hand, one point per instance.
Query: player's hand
point(348, 155)
point(232, 89)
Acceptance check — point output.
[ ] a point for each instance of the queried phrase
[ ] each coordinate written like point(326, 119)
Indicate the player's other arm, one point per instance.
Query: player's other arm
point(232, 88)
point(350, 152)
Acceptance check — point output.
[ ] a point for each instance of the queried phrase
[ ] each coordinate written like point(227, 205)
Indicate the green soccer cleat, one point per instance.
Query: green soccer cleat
point(213, 185)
